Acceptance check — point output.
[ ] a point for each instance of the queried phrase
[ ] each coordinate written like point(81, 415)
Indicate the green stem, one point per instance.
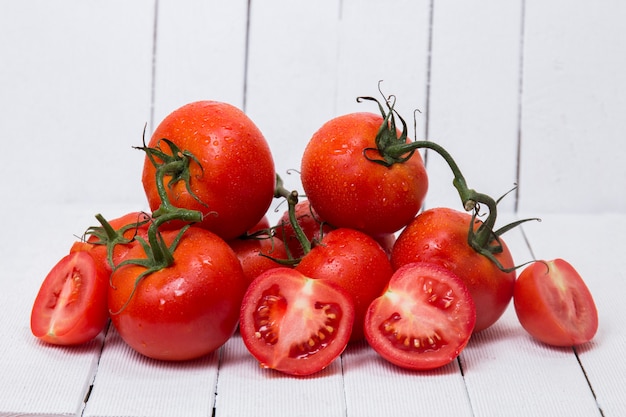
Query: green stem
point(292, 201)
point(393, 148)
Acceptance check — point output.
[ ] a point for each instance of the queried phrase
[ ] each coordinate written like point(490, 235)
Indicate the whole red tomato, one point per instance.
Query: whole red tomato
point(348, 189)
point(185, 310)
point(554, 305)
point(354, 261)
point(229, 174)
point(440, 236)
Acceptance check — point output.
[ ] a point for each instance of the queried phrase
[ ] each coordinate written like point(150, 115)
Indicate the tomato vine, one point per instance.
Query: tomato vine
point(392, 148)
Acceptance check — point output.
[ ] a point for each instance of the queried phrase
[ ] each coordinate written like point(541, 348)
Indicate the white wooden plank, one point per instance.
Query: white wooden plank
point(244, 388)
point(573, 106)
point(593, 245)
point(292, 65)
point(375, 387)
point(68, 112)
point(474, 93)
point(200, 53)
point(129, 384)
point(506, 370)
point(75, 82)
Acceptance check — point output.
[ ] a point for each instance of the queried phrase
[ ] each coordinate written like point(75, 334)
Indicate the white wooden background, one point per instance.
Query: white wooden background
point(531, 92)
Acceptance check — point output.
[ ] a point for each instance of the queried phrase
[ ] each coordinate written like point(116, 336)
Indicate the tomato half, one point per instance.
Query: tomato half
point(183, 311)
point(295, 324)
point(439, 235)
point(349, 190)
point(231, 172)
point(554, 305)
point(354, 261)
point(71, 306)
point(423, 320)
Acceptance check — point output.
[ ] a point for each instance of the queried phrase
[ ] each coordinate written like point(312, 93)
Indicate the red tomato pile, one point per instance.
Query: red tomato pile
point(354, 261)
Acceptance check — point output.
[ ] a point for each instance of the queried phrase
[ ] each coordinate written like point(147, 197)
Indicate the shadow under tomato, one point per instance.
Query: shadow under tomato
point(359, 356)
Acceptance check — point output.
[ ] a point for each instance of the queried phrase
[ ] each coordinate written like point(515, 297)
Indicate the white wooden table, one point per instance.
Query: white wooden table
point(526, 92)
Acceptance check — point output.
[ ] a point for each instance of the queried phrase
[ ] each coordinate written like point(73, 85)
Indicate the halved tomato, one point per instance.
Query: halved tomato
point(423, 320)
point(554, 305)
point(295, 324)
point(71, 306)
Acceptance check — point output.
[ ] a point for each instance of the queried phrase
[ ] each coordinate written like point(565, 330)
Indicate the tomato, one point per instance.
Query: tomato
point(423, 320)
point(554, 305)
point(349, 190)
point(185, 310)
point(310, 223)
point(130, 225)
point(440, 236)
point(354, 261)
point(71, 306)
point(230, 172)
point(295, 324)
point(250, 252)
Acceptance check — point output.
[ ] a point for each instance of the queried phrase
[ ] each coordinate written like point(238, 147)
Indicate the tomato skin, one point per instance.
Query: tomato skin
point(423, 320)
point(347, 190)
point(439, 236)
point(183, 311)
point(354, 261)
point(249, 251)
point(71, 305)
point(295, 324)
point(554, 305)
point(237, 178)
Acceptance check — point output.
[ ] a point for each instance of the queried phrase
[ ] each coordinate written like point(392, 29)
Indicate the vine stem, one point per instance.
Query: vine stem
point(394, 148)
point(292, 200)
point(470, 198)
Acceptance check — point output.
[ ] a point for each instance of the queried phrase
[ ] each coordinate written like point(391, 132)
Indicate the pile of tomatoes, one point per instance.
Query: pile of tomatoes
point(354, 260)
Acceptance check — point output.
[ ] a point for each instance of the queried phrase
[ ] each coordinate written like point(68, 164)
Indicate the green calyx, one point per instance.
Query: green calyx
point(389, 146)
point(174, 164)
point(391, 149)
point(160, 255)
point(106, 235)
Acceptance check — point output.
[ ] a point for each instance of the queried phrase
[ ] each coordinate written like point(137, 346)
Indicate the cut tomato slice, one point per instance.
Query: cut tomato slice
point(295, 324)
point(554, 305)
point(71, 306)
point(423, 320)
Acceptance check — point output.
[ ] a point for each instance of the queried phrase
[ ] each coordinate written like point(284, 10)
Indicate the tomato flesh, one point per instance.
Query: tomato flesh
point(554, 305)
point(293, 323)
point(423, 320)
point(71, 306)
